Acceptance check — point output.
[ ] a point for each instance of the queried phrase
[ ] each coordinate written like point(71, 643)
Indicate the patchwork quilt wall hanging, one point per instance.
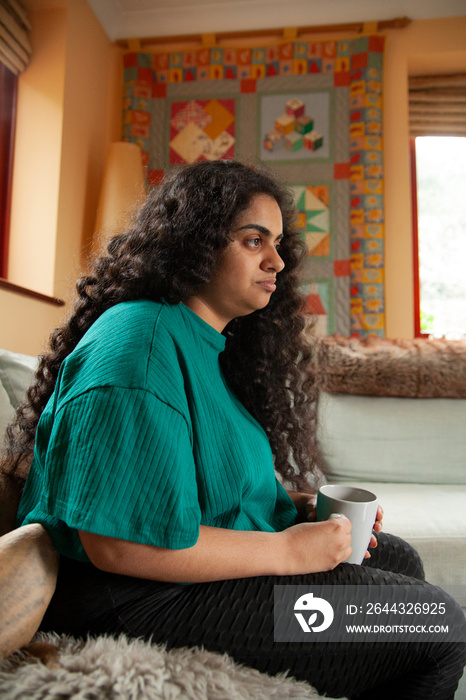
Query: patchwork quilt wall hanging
point(310, 110)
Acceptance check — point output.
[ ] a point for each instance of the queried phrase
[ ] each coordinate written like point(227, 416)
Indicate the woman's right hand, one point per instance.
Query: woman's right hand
point(313, 547)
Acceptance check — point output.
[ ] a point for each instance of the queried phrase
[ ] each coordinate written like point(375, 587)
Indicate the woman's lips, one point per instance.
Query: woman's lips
point(269, 285)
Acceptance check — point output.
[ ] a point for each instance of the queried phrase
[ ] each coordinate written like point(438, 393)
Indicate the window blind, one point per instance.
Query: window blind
point(437, 105)
point(15, 48)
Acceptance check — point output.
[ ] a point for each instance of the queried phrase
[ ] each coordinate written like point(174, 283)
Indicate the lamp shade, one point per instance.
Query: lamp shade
point(122, 192)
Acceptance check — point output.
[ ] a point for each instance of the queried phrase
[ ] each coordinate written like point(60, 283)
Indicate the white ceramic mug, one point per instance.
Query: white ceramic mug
point(358, 505)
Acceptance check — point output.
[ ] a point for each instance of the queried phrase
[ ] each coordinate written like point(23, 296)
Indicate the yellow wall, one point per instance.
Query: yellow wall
point(26, 323)
point(92, 119)
point(36, 174)
point(69, 111)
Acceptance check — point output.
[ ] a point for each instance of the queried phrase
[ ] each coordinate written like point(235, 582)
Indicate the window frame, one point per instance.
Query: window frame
point(8, 106)
point(418, 333)
point(416, 276)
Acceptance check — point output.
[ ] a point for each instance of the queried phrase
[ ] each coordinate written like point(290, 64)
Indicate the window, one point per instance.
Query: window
point(437, 119)
point(15, 50)
point(440, 188)
point(8, 90)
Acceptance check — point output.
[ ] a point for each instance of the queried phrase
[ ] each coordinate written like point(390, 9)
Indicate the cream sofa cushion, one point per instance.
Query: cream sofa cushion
point(7, 413)
point(16, 374)
point(437, 530)
point(404, 440)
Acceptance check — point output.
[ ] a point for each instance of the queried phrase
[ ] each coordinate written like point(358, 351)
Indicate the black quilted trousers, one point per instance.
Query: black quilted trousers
point(236, 616)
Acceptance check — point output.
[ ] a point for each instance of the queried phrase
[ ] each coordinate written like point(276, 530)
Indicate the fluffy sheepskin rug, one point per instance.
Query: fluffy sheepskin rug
point(418, 368)
point(60, 667)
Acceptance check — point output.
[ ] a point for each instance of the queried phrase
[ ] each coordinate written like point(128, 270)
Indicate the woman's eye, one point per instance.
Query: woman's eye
point(254, 242)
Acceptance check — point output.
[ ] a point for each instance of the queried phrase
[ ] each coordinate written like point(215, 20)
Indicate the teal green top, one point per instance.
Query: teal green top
point(143, 440)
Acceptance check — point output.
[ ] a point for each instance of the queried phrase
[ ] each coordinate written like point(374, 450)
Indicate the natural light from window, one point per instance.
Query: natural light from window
point(441, 202)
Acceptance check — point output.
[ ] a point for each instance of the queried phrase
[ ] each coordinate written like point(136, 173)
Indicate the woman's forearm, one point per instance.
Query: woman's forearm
point(221, 554)
point(218, 554)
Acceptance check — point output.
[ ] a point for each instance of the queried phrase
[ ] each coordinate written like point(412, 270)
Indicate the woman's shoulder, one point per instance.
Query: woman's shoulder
point(118, 347)
point(130, 323)
point(132, 316)
point(124, 330)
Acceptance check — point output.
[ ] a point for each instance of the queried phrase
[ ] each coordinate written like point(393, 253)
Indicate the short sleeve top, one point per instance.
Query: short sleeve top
point(143, 439)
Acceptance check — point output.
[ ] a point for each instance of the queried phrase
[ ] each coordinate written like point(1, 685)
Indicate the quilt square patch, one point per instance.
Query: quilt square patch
point(201, 130)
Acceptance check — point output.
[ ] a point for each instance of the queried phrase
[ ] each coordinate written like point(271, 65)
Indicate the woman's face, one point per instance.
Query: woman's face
point(247, 271)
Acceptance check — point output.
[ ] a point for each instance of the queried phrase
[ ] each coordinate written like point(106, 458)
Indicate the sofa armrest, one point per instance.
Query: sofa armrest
point(28, 574)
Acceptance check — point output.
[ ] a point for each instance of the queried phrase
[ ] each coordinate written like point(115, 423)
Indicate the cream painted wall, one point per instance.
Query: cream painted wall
point(92, 120)
point(26, 323)
point(426, 46)
point(36, 175)
point(69, 111)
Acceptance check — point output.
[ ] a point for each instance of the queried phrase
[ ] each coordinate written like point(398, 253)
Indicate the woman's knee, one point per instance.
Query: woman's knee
point(394, 554)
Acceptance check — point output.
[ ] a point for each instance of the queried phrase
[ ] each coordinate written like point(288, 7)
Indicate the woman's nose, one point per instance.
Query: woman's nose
point(273, 261)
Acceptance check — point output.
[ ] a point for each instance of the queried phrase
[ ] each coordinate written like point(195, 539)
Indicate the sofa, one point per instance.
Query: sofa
point(392, 419)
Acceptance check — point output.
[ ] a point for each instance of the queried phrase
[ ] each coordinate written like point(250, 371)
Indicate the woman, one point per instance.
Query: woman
point(177, 386)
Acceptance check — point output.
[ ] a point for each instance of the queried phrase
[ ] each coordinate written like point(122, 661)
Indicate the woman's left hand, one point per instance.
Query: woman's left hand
point(377, 528)
point(305, 504)
point(310, 507)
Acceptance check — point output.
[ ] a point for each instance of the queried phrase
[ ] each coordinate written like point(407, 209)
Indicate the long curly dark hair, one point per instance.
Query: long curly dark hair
point(172, 251)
